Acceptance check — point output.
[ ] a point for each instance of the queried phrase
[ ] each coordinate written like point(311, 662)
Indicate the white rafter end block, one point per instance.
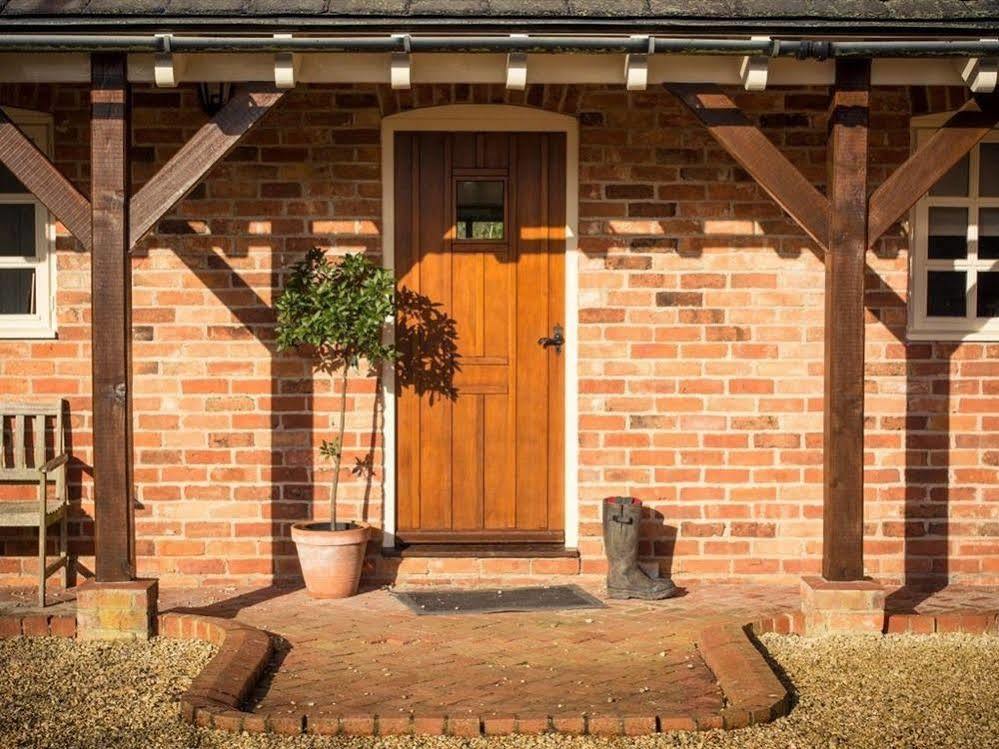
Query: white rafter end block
point(167, 68)
point(516, 68)
point(285, 66)
point(755, 69)
point(981, 74)
point(401, 70)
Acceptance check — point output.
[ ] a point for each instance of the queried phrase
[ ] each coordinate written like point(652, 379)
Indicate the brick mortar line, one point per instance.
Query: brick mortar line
point(753, 694)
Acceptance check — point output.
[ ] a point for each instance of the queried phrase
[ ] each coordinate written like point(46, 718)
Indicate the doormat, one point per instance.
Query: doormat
point(493, 600)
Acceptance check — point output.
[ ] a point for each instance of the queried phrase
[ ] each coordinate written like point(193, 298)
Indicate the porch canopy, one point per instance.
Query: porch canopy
point(267, 47)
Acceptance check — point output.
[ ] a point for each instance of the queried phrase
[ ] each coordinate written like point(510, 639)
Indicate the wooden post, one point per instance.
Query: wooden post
point(843, 488)
point(111, 318)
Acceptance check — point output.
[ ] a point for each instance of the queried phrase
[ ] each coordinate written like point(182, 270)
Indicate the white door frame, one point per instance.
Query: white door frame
point(490, 118)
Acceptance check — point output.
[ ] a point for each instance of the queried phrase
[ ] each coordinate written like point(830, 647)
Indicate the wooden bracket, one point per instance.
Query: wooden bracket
point(192, 162)
point(516, 68)
point(286, 65)
point(755, 69)
point(37, 173)
point(401, 66)
point(636, 66)
point(757, 155)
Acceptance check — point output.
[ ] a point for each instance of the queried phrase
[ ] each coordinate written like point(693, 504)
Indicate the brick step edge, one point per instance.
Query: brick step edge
point(217, 694)
point(753, 693)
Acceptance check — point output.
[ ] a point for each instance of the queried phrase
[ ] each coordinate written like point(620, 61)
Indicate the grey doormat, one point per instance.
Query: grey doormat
point(491, 600)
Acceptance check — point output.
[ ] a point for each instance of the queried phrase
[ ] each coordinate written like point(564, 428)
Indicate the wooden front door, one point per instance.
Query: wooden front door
point(479, 248)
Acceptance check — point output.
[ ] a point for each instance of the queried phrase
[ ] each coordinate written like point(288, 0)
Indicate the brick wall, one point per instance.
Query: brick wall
point(701, 348)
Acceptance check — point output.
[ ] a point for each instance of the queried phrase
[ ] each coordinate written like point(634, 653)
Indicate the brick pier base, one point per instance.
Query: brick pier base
point(832, 607)
point(116, 611)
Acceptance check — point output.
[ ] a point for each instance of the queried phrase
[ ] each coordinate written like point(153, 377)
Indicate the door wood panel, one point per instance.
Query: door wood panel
point(480, 403)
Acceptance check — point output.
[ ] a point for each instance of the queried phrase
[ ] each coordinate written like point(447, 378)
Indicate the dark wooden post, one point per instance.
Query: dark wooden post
point(843, 488)
point(111, 321)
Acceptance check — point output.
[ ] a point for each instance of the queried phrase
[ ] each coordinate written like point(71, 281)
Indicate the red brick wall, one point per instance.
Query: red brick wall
point(700, 338)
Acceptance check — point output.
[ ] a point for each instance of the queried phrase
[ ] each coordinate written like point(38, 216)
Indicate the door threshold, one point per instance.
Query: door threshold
point(505, 550)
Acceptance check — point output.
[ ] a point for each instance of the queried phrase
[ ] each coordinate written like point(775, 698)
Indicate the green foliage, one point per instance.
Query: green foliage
point(339, 309)
point(330, 449)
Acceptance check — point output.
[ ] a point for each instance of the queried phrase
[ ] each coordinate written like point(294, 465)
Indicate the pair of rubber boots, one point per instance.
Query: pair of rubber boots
point(625, 579)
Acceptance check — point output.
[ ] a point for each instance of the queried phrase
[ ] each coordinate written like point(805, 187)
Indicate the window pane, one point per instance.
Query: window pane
point(988, 233)
point(9, 183)
point(988, 177)
point(948, 234)
point(946, 294)
point(17, 291)
point(480, 210)
point(955, 182)
point(988, 295)
point(17, 229)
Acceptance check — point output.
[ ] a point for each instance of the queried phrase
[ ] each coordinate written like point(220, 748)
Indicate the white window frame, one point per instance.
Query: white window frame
point(42, 324)
point(920, 326)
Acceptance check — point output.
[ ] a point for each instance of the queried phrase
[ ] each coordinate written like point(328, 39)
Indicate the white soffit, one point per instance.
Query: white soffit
point(72, 67)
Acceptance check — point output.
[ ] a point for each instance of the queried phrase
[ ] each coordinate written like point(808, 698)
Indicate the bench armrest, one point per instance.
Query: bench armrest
point(58, 460)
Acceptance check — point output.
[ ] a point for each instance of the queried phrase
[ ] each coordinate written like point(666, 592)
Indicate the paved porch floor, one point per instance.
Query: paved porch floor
point(371, 654)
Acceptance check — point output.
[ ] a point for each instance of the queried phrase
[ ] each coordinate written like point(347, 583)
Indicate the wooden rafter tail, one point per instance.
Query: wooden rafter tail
point(199, 155)
point(757, 155)
point(945, 148)
point(37, 173)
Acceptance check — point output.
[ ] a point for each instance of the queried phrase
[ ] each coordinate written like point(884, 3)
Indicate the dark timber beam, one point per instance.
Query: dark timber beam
point(920, 172)
point(111, 318)
point(757, 155)
point(43, 180)
point(843, 453)
point(199, 155)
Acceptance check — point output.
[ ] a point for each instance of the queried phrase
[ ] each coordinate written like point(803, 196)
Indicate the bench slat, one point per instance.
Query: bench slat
point(18, 441)
point(38, 435)
point(24, 513)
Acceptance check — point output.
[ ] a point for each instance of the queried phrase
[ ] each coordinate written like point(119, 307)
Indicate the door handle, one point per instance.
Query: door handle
point(557, 339)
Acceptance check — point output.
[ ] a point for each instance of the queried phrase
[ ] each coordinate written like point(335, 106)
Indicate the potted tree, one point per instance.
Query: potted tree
point(337, 312)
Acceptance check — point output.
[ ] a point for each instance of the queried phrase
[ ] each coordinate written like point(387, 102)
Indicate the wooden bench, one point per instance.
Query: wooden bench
point(33, 451)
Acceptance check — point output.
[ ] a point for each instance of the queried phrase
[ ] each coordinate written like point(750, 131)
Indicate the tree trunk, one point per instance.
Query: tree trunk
point(339, 445)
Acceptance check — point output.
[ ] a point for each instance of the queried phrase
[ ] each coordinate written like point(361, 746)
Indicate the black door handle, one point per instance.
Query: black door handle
point(557, 339)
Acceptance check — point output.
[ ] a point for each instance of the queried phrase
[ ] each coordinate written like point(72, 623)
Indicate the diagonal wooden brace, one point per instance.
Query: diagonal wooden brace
point(44, 181)
point(757, 155)
point(199, 155)
point(920, 172)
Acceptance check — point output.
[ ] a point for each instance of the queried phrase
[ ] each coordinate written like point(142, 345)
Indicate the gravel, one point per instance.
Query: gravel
point(856, 692)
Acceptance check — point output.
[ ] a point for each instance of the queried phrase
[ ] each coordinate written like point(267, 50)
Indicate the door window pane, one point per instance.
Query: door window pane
point(480, 209)
point(17, 291)
point(17, 230)
point(9, 183)
point(948, 234)
point(946, 293)
point(955, 182)
point(988, 170)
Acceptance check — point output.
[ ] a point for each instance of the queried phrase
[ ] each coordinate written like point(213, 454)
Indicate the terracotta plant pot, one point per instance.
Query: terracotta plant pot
point(331, 560)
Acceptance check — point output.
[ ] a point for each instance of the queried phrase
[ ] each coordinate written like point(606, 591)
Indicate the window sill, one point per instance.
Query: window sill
point(953, 336)
point(27, 332)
